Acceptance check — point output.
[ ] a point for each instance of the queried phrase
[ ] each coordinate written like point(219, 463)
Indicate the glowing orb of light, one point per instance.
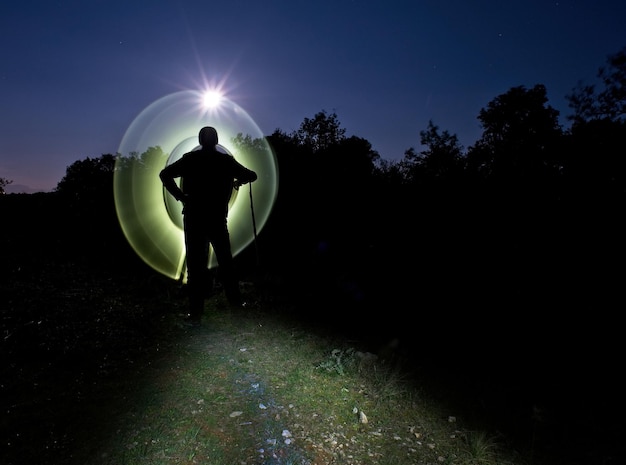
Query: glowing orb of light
point(150, 217)
point(212, 99)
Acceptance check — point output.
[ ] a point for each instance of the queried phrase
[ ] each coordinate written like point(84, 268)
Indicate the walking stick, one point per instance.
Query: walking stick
point(256, 247)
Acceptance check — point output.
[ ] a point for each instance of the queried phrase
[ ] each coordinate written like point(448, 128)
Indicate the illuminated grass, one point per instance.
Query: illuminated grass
point(124, 384)
point(482, 448)
point(252, 389)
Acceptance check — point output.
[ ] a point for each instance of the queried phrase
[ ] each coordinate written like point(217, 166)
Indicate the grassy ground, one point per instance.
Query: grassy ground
point(104, 374)
point(251, 389)
point(99, 371)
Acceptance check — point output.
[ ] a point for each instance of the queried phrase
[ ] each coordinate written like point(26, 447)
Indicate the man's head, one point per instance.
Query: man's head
point(208, 137)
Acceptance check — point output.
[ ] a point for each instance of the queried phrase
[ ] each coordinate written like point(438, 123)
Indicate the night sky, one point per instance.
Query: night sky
point(75, 74)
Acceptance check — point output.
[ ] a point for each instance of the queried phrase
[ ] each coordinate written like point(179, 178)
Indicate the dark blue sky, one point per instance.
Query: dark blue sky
point(75, 74)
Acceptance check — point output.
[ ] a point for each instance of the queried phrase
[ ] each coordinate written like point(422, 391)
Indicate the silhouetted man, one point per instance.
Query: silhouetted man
point(208, 177)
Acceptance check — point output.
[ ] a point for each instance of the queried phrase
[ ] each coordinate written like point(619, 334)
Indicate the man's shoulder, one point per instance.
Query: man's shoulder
point(207, 157)
point(203, 151)
point(194, 156)
point(192, 153)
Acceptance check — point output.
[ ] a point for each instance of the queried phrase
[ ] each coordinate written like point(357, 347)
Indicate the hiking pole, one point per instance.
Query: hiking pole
point(256, 246)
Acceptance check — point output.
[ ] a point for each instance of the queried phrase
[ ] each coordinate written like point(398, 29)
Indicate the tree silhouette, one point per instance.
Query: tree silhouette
point(87, 205)
point(442, 159)
point(520, 133)
point(3, 184)
point(86, 180)
point(320, 132)
point(594, 164)
point(322, 218)
point(147, 163)
point(608, 103)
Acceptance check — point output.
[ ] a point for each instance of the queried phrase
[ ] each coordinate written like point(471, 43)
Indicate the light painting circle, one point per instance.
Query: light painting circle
point(150, 217)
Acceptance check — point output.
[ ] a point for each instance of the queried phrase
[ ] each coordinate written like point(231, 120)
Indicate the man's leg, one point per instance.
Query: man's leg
point(227, 272)
point(196, 246)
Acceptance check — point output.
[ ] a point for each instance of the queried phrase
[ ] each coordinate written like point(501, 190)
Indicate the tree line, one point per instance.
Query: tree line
point(524, 210)
point(527, 210)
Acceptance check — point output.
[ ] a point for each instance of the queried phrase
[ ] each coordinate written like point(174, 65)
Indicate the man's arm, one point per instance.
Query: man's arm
point(167, 178)
point(244, 175)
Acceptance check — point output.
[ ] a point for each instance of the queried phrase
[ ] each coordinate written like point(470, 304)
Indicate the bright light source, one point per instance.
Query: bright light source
point(212, 98)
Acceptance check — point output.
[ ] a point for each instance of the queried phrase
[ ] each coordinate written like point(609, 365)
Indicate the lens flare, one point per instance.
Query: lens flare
point(150, 217)
point(212, 98)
